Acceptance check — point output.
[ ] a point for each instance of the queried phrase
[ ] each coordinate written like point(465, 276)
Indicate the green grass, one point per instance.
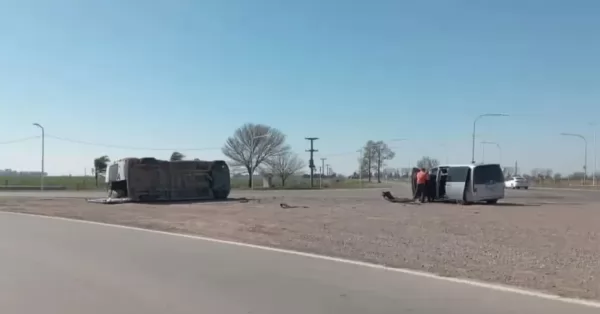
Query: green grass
point(69, 182)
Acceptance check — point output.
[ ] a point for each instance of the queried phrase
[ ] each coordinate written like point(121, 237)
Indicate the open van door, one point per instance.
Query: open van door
point(456, 182)
point(413, 180)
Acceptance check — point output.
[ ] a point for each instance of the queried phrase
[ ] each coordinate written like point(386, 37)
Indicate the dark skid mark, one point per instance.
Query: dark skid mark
point(286, 206)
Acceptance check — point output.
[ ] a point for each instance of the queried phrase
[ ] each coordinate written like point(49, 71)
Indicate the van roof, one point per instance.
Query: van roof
point(467, 165)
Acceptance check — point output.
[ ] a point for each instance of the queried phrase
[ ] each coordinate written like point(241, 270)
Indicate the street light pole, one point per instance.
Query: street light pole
point(584, 153)
point(43, 148)
point(593, 124)
point(322, 170)
point(595, 160)
point(474, 130)
point(360, 164)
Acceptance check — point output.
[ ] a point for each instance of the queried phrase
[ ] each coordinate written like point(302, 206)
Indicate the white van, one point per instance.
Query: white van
point(468, 183)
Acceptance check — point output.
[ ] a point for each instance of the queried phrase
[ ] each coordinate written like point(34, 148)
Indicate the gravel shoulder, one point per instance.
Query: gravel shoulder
point(551, 247)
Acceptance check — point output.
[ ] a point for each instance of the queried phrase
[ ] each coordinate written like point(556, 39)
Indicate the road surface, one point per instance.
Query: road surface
point(67, 267)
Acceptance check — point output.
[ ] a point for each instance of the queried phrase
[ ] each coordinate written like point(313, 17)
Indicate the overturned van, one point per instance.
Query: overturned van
point(469, 183)
point(150, 179)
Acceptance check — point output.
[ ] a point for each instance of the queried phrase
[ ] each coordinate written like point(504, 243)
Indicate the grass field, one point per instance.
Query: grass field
point(88, 183)
point(68, 182)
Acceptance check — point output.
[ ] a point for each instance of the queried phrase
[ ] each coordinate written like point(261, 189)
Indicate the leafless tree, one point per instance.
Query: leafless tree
point(427, 162)
point(284, 165)
point(382, 153)
point(252, 144)
point(367, 160)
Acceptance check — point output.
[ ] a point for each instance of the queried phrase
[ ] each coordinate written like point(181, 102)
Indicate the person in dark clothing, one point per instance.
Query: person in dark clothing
point(422, 178)
point(431, 189)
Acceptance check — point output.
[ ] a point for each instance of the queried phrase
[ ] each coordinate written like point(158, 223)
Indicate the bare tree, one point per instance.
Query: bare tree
point(382, 153)
point(100, 165)
point(284, 165)
point(177, 156)
point(252, 144)
point(427, 162)
point(367, 160)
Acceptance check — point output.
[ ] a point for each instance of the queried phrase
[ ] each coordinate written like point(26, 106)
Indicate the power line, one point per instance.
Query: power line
point(127, 147)
point(20, 140)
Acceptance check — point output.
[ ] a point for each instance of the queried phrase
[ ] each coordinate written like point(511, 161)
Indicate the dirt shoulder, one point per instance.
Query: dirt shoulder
point(553, 247)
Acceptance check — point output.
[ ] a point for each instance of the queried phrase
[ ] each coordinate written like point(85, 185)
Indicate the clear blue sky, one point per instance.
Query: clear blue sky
point(185, 73)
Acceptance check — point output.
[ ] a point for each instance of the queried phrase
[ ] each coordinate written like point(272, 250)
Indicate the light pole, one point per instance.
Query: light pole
point(474, 130)
point(42, 174)
point(497, 145)
point(360, 164)
point(322, 170)
point(252, 158)
point(584, 152)
point(593, 124)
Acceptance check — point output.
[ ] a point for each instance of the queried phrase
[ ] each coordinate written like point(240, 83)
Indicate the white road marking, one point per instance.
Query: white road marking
point(473, 283)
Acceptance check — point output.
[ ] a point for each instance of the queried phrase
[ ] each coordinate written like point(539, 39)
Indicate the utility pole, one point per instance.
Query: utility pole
point(516, 169)
point(322, 170)
point(311, 162)
point(42, 174)
point(321, 177)
point(328, 172)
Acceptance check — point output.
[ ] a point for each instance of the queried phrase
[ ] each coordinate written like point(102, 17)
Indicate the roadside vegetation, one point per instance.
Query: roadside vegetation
point(263, 151)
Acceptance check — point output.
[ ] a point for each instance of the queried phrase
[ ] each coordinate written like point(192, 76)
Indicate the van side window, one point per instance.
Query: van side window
point(457, 174)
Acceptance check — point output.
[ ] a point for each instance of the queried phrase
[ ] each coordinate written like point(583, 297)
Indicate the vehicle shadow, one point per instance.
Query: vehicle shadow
point(206, 201)
point(510, 204)
point(115, 201)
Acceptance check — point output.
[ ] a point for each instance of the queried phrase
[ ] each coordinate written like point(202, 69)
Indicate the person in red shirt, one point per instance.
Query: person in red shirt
point(422, 178)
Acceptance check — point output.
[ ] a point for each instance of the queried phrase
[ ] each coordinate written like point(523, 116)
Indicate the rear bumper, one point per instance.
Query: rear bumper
point(518, 185)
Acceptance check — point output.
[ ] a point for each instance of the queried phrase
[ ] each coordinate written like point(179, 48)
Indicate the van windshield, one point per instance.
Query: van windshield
point(486, 173)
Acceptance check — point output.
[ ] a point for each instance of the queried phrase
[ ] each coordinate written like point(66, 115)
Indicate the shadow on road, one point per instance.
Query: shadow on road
point(228, 200)
point(509, 204)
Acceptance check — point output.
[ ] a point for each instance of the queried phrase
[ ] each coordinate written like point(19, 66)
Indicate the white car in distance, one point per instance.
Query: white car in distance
point(516, 183)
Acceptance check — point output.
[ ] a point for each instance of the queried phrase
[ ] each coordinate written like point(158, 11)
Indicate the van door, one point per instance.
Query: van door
point(488, 182)
point(413, 180)
point(455, 182)
point(433, 183)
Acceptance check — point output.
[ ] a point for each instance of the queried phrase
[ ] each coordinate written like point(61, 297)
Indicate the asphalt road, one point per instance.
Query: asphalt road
point(64, 267)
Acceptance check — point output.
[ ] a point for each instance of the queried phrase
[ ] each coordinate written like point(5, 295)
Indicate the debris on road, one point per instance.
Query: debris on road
point(286, 206)
point(387, 195)
point(108, 200)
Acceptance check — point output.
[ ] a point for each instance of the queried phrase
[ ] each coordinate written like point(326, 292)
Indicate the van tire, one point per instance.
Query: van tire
point(491, 202)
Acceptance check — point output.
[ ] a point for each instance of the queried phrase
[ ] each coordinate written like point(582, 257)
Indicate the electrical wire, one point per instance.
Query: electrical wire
point(20, 140)
point(64, 139)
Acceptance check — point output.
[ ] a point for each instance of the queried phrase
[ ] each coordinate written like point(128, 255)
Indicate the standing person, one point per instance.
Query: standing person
point(422, 178)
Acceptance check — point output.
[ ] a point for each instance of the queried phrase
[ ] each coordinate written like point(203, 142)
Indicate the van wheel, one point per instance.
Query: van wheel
point(526, 187)
point(491, 201)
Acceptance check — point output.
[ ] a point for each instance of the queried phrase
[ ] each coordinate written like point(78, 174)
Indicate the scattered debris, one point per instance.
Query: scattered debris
point(108, 200)
point(286, 206)
point(387, 195)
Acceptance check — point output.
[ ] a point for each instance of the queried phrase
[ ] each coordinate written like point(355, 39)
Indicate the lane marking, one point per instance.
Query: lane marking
point(473, 283)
